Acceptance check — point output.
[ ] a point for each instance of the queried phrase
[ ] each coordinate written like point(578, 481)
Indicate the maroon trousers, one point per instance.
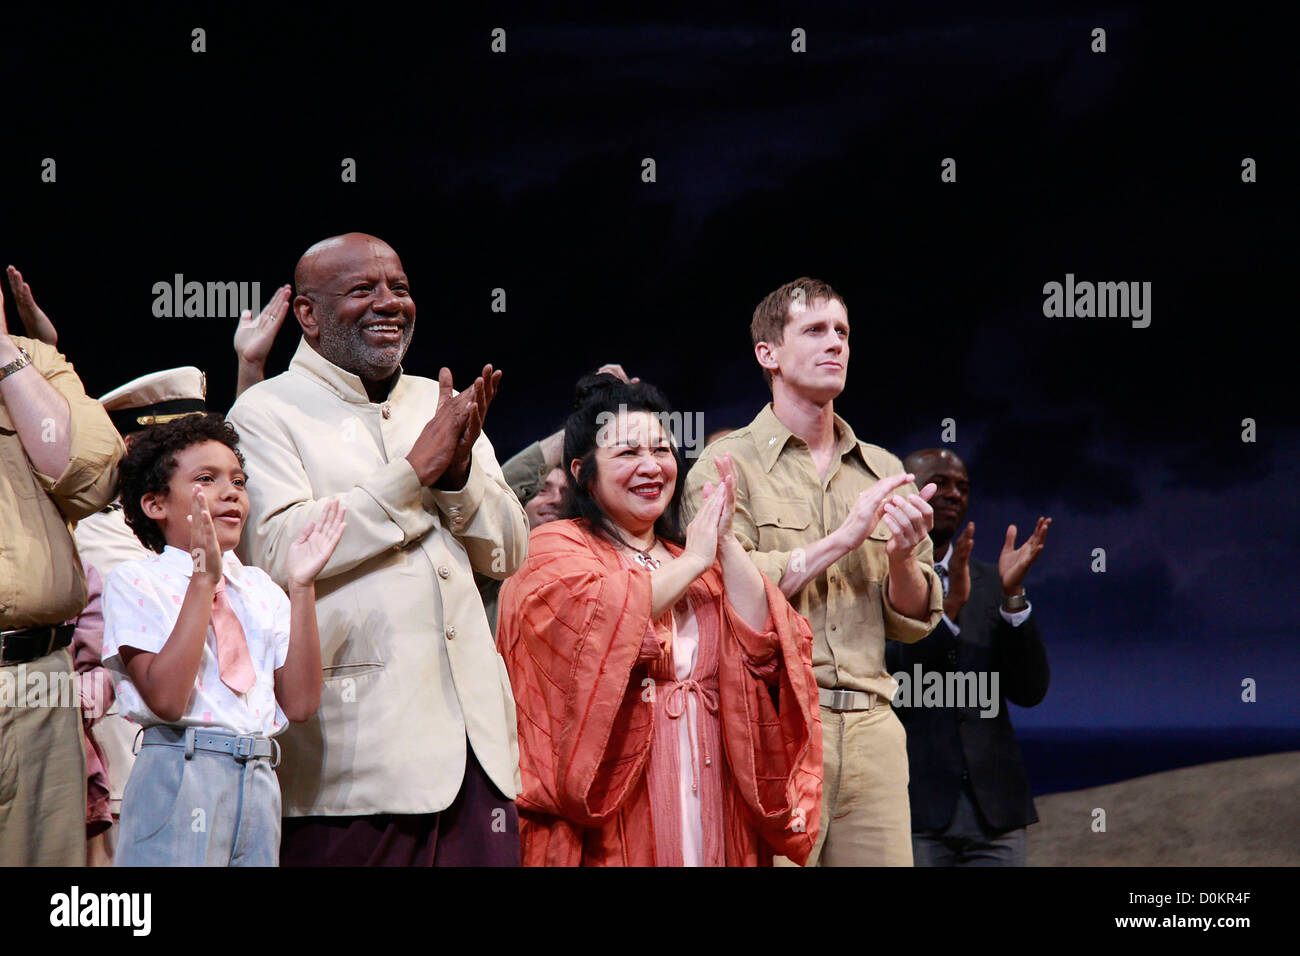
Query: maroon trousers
point(480, 828)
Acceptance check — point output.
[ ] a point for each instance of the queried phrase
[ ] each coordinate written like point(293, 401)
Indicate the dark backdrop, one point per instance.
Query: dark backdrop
point(523, 171)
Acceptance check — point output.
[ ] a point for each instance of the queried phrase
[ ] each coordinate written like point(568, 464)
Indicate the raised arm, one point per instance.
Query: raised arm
point(73, 447)
point(254, 338)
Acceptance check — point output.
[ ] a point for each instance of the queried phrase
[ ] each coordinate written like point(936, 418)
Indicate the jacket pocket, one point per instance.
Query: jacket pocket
point(337, 672)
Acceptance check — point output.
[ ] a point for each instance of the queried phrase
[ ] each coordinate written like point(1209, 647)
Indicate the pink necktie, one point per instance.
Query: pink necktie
point(233, 662)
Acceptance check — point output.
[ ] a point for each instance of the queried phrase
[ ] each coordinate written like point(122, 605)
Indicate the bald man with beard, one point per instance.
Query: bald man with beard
point(413, 758)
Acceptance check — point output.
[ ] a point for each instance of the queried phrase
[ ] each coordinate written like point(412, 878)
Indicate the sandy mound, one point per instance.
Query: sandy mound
point(1232, 813)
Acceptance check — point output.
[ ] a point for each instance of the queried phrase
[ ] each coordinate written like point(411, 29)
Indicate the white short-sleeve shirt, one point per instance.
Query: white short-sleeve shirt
point(142, 600)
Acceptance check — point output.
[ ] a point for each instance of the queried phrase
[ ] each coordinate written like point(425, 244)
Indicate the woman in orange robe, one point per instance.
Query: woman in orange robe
point(667, 709)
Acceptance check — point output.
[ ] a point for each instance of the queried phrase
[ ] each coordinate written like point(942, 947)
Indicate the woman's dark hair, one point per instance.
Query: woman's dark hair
point(599, 397)
point(150, 461)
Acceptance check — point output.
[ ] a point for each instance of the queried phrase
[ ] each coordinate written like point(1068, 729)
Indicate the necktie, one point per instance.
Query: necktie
point(233, 662)
point(940, 570)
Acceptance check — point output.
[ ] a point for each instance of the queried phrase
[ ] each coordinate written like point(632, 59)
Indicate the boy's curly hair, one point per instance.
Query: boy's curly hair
point(150, 461)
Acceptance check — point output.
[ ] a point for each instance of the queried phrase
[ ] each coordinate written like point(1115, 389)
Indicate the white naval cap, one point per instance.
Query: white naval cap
point(156, 398)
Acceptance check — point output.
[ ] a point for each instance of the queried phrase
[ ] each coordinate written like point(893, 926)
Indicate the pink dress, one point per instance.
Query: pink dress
point(687, 763)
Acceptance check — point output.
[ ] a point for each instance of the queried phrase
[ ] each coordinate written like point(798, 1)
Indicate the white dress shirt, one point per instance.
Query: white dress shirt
point(1014, 619)
point(142, 600)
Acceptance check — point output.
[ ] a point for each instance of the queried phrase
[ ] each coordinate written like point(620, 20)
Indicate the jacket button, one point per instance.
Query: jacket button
point(385, 410)
point(965, 774)
point(450, 632)
point(952, 657)
point(444, 572)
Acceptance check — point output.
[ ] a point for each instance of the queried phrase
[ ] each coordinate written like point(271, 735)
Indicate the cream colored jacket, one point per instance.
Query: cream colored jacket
point(410, 666)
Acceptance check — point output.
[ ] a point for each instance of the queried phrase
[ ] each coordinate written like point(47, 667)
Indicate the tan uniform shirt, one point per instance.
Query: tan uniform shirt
point(411, 669)
point(781, 504)
point(41, 578)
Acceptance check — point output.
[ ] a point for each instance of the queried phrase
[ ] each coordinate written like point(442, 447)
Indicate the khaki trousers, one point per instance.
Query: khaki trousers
point(866, 819)
point(42, 765)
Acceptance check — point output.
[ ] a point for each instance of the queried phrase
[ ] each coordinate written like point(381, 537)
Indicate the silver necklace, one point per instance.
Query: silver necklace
point(643, 558)
point(647, 560)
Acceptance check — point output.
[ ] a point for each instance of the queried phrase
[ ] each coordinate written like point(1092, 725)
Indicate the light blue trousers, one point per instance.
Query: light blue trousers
point(207, 810)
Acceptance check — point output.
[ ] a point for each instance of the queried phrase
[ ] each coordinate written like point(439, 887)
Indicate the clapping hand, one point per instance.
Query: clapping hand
point(254, 336)
point(959, 572)
point(477, 398)
point(204, 547)
point(34, 319)
point(910, 519)
point(726, 486)
point(1013, 562)
point(703, 534)
point(315, 543)
point(443, 451)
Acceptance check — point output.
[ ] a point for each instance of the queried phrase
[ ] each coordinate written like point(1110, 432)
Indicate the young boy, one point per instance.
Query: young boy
point(208, 655)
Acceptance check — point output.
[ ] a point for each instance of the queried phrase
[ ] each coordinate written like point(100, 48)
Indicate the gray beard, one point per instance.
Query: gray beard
point(348, 350)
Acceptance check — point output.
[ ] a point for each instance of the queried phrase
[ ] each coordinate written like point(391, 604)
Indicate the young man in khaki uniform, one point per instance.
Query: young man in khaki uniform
point(839, 526)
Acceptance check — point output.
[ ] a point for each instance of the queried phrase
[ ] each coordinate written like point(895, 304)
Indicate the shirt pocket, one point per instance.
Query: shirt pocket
point(782, 523)
point(881, 532)
point(13, 460)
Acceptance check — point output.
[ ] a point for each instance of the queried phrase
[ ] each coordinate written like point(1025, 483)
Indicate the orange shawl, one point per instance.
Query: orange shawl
point(572, 624)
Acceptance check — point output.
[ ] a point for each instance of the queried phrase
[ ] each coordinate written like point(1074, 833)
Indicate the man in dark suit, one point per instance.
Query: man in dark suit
point(969, 792)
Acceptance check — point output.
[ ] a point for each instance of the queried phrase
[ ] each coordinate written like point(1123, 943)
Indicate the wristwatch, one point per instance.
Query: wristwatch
point(24, 359)
point(1017, 602)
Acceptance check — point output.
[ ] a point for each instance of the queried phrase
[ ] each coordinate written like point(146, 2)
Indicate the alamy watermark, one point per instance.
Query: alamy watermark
point(39, 688)
point(74, 908)
point(949, 689)
point(205, 300)
point(684, 429)
point(1102, 300)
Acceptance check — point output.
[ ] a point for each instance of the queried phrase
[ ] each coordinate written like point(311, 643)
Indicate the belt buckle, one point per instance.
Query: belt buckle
point(243, 748)
point(841, 699)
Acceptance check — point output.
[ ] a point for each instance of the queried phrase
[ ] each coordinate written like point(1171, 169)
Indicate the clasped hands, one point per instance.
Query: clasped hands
point(442, 454)
point(909, 519)
point(709, 534)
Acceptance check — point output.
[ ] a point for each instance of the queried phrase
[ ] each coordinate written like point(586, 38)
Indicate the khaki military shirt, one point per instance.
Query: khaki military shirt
point(783, 504)
point(41, 578)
